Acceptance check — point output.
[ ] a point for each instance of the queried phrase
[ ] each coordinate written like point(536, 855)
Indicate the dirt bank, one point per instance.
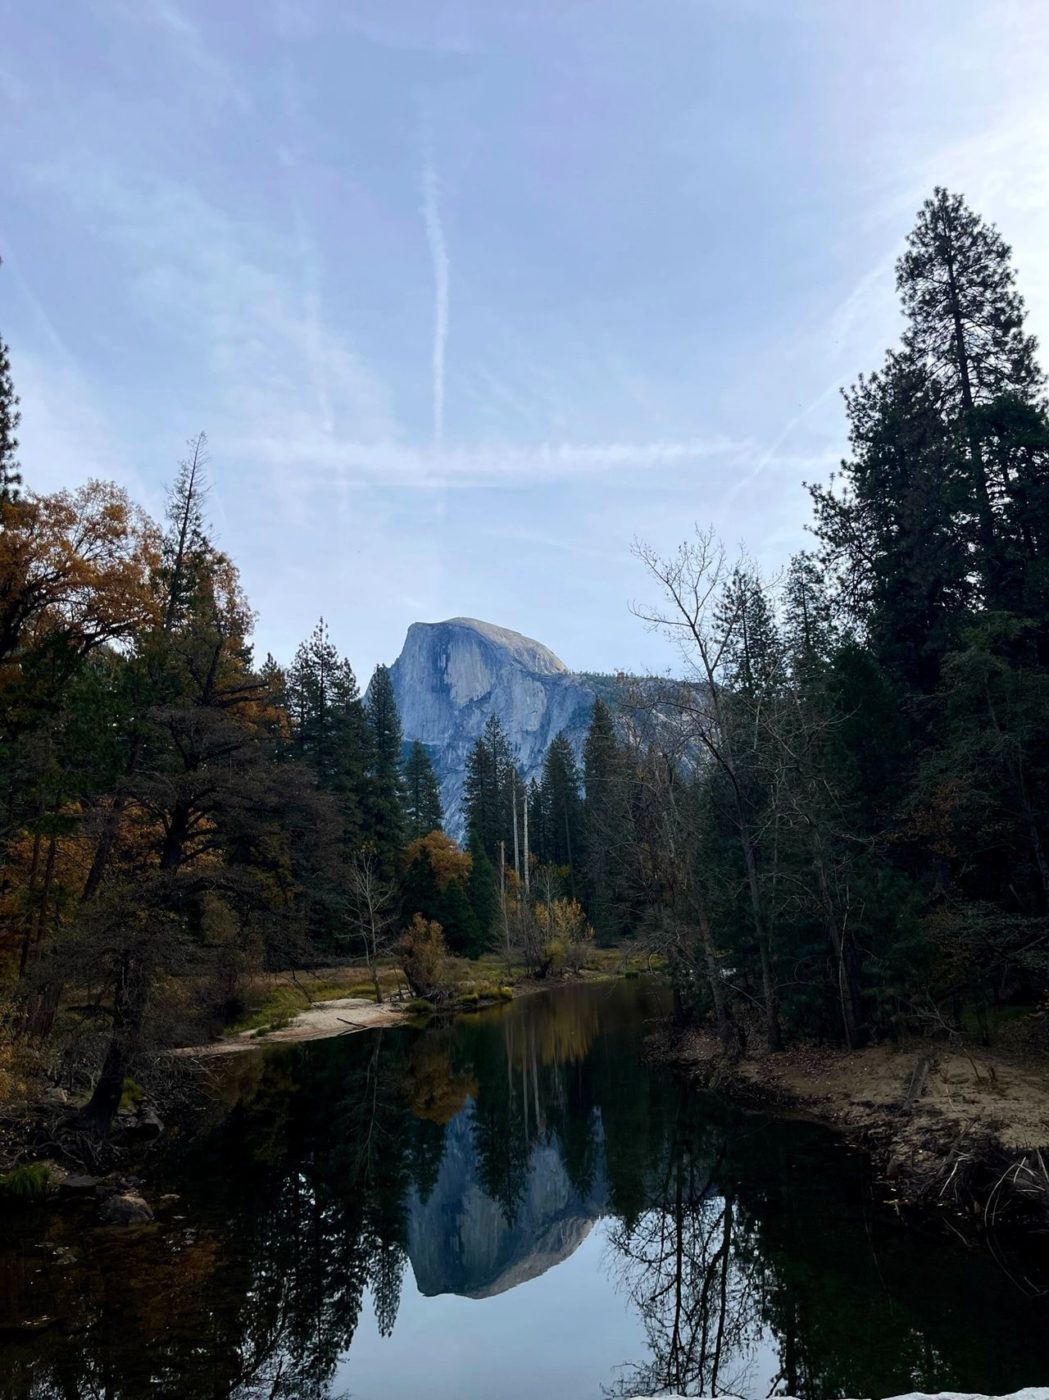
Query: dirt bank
point(947, 1126)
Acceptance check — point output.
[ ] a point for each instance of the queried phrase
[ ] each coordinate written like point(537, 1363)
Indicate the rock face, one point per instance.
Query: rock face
point(451, 676)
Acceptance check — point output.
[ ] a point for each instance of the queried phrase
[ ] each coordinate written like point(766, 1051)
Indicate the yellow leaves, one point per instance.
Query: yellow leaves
point(423, 957)
point(433, 1089)
point(563, 920)
point(450, 864)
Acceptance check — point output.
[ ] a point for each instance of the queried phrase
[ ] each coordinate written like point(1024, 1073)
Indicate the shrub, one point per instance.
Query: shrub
point(424, 960)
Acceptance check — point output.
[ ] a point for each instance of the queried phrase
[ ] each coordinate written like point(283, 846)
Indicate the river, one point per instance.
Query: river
point(514, 1206)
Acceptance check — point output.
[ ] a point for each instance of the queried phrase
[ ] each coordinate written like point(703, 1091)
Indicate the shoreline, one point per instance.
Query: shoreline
point(946, 1126)
point(324, 1020)
point(321, 1021)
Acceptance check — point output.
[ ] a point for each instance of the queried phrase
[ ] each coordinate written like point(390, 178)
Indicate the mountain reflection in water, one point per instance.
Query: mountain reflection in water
point(626, 1235)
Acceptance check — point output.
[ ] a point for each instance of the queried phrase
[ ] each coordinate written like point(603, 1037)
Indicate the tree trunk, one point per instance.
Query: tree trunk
point(726, 1029)
point(984, 513)
point(129, 1005)
point(844, 963)
point(773, 1037)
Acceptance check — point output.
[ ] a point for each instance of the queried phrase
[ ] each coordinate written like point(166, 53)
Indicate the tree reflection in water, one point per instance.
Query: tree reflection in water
point(677, 1263)
point(483, 1153)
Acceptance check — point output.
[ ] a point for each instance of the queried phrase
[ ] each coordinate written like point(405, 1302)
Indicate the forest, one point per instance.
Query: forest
point(830, 824)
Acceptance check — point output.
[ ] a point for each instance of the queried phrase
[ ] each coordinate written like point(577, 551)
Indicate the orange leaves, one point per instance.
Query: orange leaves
point(75, 566)
point(450, 864)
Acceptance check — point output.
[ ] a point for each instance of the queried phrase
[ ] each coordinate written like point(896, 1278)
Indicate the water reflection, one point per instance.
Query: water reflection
point(746, 1256)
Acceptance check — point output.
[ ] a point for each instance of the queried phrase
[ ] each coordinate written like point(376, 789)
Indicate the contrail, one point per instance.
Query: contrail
point(439, 258)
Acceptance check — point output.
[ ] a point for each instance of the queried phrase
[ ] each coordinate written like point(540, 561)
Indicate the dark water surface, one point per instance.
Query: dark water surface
point(514, 1206)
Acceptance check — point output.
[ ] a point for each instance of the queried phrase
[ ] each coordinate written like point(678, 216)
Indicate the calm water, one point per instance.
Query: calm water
point(508, 1208)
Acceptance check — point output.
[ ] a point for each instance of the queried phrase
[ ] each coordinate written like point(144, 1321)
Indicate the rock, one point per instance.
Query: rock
point(146, 1125)
point(78, 1183)
point(125, 1209)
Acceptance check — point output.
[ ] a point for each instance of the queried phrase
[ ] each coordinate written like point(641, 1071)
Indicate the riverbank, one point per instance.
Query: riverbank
point(949, 1126)
point(323, 1019)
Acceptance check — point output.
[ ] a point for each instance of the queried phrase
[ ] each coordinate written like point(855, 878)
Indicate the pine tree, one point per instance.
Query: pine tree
point(561, 803)
point(387, 799)
point(606, 826)
point(10, 417)
point(186, 546)
point(488, 792)
point(330, 730)
point(966, 318)
point(752, 658)
point(966, 327)
point(483, 893)
point(894, 539)
point(424, 810)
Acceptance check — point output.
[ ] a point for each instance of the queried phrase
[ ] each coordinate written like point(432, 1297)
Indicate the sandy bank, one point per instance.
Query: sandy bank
point(325, 1018)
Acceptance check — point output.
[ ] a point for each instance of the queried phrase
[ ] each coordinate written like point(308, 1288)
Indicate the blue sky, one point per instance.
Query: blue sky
point(467, 294)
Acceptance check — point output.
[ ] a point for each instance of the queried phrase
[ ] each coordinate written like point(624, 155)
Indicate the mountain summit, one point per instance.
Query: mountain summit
point(451, 676)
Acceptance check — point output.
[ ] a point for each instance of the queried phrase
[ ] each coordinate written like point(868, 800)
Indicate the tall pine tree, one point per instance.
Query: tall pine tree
point(10, 477)
point(387, 799)
point(423, 809)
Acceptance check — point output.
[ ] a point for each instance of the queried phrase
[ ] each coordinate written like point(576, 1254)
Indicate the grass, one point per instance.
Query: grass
point(26, 1182)
point(132, 1094)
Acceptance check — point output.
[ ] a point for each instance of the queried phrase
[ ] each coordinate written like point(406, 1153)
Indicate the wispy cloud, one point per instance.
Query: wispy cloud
point(180, 30)
point(497, 464)
point(441, 270)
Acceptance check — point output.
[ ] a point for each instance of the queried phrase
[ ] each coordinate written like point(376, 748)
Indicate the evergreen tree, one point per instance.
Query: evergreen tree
point(966, 327)
point(387, 799)
point(562, 807)
point(606, 826)
point(966, 318)
point(482, 890)
point(488, 792)
point(330, 730)
point(424, 810)
point(894, 539)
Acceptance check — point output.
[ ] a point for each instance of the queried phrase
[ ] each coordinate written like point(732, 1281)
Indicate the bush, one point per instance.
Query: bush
point(424, 960)
point(420, 1006)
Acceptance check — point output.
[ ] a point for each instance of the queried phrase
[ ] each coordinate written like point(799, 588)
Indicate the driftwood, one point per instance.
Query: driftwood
point(919, 1076)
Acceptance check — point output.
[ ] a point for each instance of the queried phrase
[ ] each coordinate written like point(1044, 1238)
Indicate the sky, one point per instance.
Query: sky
point(468, 295)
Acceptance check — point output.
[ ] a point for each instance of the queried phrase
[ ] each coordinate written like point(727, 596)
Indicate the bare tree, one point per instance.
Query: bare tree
point(372, 911)
point(705, 622)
